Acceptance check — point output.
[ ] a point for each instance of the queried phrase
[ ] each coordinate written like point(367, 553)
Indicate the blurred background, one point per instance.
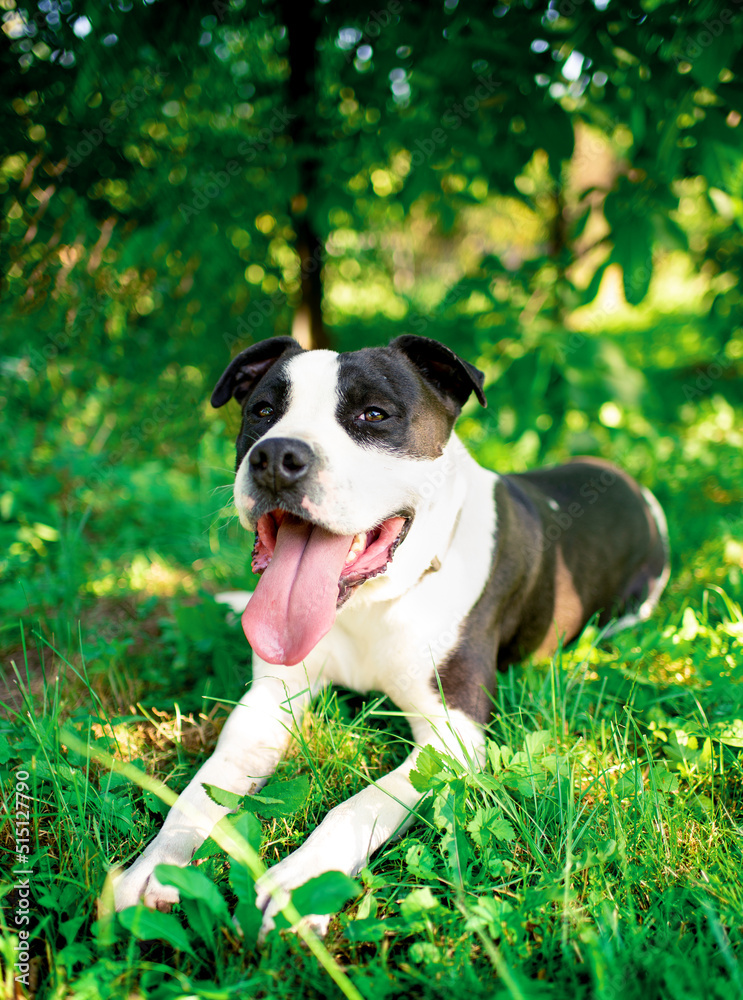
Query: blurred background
point(553, 188)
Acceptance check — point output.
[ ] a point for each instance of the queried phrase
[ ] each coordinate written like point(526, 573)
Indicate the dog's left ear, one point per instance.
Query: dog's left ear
point(248, 368)
point(449, 374)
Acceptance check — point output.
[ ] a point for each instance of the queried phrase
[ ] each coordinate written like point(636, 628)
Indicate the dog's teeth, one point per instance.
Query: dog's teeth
point(357, 547)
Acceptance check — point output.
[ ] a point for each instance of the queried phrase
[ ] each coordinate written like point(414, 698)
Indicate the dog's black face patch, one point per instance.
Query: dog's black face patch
point(383, 402)
point(265, 405)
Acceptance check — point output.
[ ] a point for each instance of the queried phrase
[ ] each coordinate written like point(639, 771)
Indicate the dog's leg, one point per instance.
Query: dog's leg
point(247, 752)
point(236, 600)
point(353, 830)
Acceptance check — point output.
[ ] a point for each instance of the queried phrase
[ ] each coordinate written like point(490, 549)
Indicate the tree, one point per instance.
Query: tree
point(174, 201)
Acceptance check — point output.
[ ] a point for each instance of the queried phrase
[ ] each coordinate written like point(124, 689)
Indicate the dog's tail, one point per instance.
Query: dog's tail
point(659, 582)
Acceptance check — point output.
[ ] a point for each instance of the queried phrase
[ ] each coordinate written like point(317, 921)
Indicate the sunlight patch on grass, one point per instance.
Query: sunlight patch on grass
point(147, 574)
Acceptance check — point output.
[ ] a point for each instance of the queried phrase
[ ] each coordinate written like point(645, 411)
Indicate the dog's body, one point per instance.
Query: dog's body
point(345, 461)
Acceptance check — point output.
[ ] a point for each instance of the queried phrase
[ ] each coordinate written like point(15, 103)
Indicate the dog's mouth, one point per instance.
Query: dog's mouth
point(307, 573)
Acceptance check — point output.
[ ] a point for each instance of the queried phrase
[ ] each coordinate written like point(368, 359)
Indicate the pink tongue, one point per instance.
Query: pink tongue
point(294, 603)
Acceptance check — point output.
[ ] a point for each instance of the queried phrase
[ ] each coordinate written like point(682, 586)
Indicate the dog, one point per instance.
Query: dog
point(391, 561)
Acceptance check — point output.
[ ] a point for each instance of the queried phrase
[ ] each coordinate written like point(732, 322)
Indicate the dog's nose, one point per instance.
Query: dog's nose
point(279, 462)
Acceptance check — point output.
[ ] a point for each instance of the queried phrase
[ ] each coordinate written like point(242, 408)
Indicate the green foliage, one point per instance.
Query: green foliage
point(325, 894)
point(598, 848)
point(151, 925)
point(514, 152)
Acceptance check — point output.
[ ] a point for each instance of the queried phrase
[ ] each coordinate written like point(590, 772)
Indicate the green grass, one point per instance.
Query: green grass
point(598, 854)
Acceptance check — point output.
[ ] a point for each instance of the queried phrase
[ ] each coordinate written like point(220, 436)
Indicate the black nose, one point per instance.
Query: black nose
point(279, 462)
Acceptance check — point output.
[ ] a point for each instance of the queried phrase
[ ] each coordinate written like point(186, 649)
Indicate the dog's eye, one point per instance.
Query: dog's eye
point(373, 414)
point(263, 410)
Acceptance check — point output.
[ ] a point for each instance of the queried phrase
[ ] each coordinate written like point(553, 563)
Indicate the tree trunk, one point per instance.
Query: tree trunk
point(304, 30)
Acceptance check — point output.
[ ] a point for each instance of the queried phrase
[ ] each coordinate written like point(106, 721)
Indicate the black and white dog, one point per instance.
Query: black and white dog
point(392, 561)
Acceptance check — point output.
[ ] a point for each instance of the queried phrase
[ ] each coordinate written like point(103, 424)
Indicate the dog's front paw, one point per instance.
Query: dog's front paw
point(318, 922)
point(236, 600)
point(273, 891)
point(139, 883)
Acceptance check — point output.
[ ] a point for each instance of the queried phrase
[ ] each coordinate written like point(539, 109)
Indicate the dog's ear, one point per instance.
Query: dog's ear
point(449, 374)
point(244, 371)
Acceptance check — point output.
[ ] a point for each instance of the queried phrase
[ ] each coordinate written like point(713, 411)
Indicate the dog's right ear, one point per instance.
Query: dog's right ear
point(451, 376)
point(244, 371)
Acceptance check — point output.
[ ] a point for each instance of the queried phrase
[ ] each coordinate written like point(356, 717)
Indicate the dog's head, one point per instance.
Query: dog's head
point(331, 457)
